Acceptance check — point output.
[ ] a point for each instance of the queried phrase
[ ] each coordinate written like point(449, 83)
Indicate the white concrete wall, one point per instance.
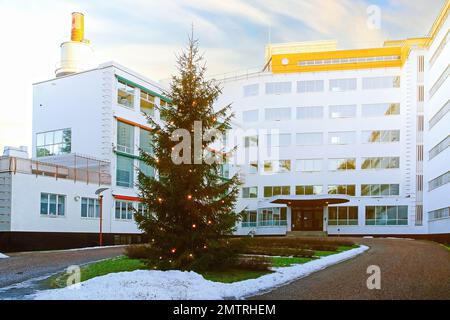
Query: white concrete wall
point(26, 215)
point(440, 197)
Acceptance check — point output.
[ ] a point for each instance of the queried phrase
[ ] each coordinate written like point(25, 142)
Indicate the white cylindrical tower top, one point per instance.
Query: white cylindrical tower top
point(76, 54)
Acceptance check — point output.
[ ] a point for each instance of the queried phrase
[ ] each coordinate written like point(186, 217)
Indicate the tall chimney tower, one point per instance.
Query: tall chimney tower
point(76, 54)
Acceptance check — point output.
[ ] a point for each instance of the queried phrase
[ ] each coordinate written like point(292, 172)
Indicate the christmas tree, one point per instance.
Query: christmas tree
point(189, 205)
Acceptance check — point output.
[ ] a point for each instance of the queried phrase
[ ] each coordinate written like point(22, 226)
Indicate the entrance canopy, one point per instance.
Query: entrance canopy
point(310, 201)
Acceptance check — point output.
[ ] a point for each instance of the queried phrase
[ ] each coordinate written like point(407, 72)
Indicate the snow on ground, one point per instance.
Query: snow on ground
point(179, 285)
point(3, 256)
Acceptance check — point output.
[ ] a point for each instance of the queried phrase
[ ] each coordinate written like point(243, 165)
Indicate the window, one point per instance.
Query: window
point(439, 115)
point(124, 210)
point(378, 190)
point(308, 165)
point(147, 103)
point(249, 218)
point(253, 167)
point(310, 86)
point(278, 87)
point(437, 149)
point(125, 94)
point(380, 163)
point(349, 60)
point(269, 217)
point(343, 137)
point(342, 216)
point(339, 85)
point(124, 172)
point(277, 114)
point(439, 181)
point(53, 204)
point(342, 164)
point(125, 137)
point(380, 109)
point(53, 143)
point(251, 141)
point(145, 141)
point(142, 208)
point(439, 214)
point(277, 166)
point(276, 191)
point(381, 136)
point(250, 116)
point(146, 144)
point(310, 138)
point(279, 140)
point(420, 93)
point(440, 81)
point(315, 112)
point(381, 82)
point(306, 190)
point(249, 192)
point(90, 208)
point(251, 90)
point(346, 111)
point(440, 48)
point(387, 215)
point(348, 189)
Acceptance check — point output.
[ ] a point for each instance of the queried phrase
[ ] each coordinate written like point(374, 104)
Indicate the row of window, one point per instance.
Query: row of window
point(440, 81)
point(317, 112)
point(126, 98)
point(337, 216)
point(335, 85)
point(315, 165)
point(319, 62)
point(439, 115)
point(367, 190)
point(439, 214)
point(54, 142)
point(317, 138)
point(125, 165)
point(439, 181)
point(440, 147)
point(440, 48)
point(55, 205)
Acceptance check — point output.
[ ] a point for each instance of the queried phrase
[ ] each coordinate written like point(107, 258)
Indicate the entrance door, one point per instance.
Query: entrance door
point(307, 219)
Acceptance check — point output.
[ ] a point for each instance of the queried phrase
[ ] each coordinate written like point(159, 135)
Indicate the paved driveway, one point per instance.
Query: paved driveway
point(25, 266)
point(410, 269)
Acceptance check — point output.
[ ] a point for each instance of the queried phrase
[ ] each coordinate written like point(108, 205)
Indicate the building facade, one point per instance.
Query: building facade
point(358, 145)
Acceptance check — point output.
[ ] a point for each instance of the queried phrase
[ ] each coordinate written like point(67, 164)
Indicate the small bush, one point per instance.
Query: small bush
point(138, 251)
point(280, 251)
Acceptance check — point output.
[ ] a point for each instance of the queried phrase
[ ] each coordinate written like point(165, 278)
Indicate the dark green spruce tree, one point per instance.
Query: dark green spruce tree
point(189, 205)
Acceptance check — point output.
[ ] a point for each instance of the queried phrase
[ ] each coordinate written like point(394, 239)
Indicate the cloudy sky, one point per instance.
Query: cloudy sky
point(144, 35)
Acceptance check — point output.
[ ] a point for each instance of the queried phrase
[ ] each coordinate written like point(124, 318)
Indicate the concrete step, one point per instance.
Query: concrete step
point(307, 234)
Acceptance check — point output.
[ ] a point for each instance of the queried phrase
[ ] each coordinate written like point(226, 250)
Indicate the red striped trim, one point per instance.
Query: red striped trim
point(127, 198)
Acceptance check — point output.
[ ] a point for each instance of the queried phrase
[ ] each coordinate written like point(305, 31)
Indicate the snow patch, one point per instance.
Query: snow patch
point(3, 256)
point(179, 285)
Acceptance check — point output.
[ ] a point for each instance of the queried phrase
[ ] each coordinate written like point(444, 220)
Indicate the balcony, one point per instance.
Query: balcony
point(70, 167)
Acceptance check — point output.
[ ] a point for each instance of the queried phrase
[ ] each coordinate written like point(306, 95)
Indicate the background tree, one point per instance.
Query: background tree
point(189, 206)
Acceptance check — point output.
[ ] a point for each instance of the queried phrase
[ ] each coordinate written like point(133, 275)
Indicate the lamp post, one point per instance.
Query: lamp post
point(98, 193)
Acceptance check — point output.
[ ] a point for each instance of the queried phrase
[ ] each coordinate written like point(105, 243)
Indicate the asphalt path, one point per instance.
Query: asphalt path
point(409, 269)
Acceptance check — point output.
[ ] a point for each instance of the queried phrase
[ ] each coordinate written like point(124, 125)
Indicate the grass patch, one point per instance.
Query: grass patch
point(279, 262)
point(233, 275)
point(125, 264)
point(97, 269)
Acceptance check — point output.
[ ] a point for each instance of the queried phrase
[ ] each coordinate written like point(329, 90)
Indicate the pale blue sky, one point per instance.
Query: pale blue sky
point(145, 35)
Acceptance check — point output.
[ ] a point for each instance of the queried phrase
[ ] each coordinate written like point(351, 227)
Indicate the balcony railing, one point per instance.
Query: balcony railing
point(71, 167)
point(265, 223)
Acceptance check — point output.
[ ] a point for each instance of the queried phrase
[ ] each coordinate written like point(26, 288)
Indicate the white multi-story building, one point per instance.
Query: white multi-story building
point(358, 138)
